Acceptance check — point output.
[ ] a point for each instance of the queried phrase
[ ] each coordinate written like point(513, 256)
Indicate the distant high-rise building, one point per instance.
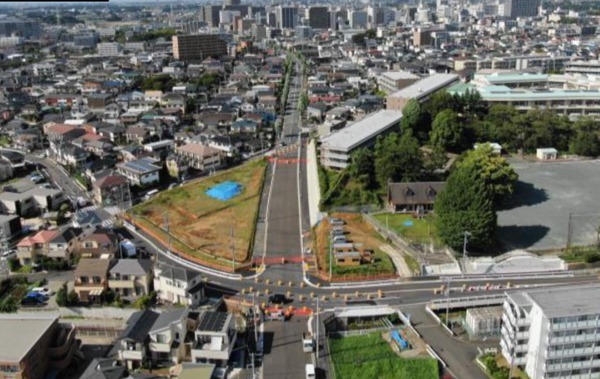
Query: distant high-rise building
point(197, 47)
point(259, 32)
point(318, 17)
point(12, 26)
point(521, 8)
point(303, 32)
point(211, 15)
point(231, 2)
point(358, 19)
point(287, 17)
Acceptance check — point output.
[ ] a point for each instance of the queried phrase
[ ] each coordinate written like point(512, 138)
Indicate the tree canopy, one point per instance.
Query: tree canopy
point(447, 132)
point(416, 119)
point(465, 205)
point(494, 170)
point(397, 158)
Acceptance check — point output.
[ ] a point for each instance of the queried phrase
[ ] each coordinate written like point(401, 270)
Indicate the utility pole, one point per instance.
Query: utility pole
point(330, 262)
point(466, 236)
point(448, 303)
point(168, 229)
point(232, 250)
point(317, 339)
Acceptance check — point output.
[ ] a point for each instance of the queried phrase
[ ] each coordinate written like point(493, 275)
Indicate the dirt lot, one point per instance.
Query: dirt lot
point(358, 231)
point(201, 225)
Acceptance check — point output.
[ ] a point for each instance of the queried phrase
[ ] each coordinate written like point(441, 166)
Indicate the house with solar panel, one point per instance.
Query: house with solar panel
point(140, 172)
point(214, 338)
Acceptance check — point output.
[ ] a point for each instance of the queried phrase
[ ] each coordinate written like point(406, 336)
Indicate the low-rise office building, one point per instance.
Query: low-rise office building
point(392, 81)
point(553, 332)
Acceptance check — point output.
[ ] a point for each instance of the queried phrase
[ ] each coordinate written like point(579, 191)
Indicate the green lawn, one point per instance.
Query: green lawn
point(421, 231)
point(369, 356)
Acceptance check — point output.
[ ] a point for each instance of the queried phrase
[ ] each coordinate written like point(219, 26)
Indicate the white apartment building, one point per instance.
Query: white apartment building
point(553, 332)
point(108, 49)
point(392, 81)
point(591, 67)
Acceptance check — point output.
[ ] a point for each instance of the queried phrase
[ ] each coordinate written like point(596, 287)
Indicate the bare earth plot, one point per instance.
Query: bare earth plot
point(201, 225)
point(538, 217)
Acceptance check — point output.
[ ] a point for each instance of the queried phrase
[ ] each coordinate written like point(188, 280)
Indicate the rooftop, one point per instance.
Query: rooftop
point(139, 166)
point(213, 321)
point(398, 75)
point(23, 332)
point(426, 86)
point(569, 301)
point(358, 133)
point(503, 92)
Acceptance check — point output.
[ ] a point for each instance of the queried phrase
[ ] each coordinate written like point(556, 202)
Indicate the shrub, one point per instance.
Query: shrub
point(13, 264)
point(62, 296)
point(592, 257)
point(72, 299)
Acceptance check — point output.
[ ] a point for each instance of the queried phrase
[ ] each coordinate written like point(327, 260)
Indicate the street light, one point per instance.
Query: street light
point(466, 236)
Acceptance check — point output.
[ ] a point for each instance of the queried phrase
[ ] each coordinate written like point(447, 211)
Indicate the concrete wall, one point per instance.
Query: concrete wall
point(312, 179)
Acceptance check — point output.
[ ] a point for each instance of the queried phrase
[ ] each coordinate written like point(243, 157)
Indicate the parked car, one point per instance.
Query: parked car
point(8, 254)
point(32, 302)
point(310, 371)
point(37, 295)
point(275, 316)
point(278, 298)
point(336, 221)
point(36, 178)
point(43, 290)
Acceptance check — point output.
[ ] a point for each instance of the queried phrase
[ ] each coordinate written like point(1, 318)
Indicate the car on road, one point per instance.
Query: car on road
point(278, 315)
point(278, 298)
point(310, 371)
point(43, 290)
point(8, 254)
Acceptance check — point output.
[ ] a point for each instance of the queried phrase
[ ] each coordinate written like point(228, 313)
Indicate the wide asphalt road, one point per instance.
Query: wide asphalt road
point(284, 358)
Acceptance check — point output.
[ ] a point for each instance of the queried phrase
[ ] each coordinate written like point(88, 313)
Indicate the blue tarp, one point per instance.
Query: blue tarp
point(225, 191)
point(408, 223)
point(399, 340)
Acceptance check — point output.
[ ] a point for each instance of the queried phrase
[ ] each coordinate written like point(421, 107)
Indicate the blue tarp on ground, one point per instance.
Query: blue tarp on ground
point(408, 223)
point(399, 340)
point(225, 191)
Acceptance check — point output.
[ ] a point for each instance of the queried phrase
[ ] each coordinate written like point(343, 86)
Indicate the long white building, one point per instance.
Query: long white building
point(336, 148)
point(553, 332)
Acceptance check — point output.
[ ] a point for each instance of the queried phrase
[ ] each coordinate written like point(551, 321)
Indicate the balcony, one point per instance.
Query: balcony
point(574, 325)
point(132, 355)
point(573, 365)
point(158, 347)
point(63, 348)
point(565, 353)
point(571, 339)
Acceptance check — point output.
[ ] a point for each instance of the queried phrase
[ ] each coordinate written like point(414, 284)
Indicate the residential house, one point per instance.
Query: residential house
point(71, 155)
point(133, 343)
point(10, 227)
point(36, 345)
point(137, 134)
point(91, 279)
point(31, 202)
point(27, 141)
point(61, 134)
point(417, 197)
point(244, 126)
point(111, 190)
point(54, 244)
point(100, 244)
point(153, 96)
point(168, 335)
point(200, 157)
point(131, 278)
point(177, 285)
point(228, 144)
point(114, 133)
point(214, 338)
point(141, 172)
point(104, 368)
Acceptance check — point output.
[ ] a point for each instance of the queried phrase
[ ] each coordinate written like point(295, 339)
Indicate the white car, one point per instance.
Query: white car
point(43, 290)
point(8, 254)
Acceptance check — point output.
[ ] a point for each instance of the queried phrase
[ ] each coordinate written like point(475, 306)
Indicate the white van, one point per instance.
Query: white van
point(150, 194)
point(310, 371)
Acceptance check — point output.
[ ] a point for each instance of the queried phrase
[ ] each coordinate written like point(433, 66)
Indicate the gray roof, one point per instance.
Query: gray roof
point(132, 266)
point(360, 132)
point(426, 86)
point(23, 332)
point(139, 324)
point(177, 273)
point(414, 193)
point(167, 318)
point(104, 368)
point(568, 301)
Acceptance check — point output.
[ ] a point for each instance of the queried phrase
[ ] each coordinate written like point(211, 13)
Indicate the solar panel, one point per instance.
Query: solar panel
point(213, 321)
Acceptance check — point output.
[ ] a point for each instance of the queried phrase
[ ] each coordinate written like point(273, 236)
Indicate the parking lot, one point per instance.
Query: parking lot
point(538, 217)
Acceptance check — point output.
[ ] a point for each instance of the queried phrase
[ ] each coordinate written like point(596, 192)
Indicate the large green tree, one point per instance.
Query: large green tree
point(465, 205)
point(398, 158)
point(494, 170)
point(362, 167)
point(447, 132)
point(416, 119)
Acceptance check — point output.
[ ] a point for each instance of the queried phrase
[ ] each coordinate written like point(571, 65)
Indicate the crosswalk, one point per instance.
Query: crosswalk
point(88, 209)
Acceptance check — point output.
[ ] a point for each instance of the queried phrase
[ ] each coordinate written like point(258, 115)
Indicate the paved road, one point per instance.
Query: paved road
point(284, 358)
point(459, 355)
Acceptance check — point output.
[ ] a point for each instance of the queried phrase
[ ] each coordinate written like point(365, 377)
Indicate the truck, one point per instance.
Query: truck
point(127, 249)
point(308, 342)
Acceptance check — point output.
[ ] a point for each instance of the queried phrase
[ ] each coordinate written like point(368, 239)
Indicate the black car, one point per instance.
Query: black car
point(32, 302)
point(278, 298)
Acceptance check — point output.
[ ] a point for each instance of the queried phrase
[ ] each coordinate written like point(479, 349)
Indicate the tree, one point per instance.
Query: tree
point(397, 158)
point(416, 119)
point(146, 301)
point(465, 205)
point(447, 132)
point(497, 174)
point(62, 296)
point(73, 298)
point(362, 167)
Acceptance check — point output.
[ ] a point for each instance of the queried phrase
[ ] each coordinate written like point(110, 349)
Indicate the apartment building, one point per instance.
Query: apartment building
point(35, 345)
point(337, 147)
point(544, 62)
point(198, 47)
point(200, 157)
point(420, 90)
point(553, 332)
point(393, 81)
point(591, 67)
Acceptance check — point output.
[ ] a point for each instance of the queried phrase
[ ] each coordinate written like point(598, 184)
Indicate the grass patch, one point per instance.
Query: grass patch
point(201, 225)
point(4, 141)
point(412, 263)
point(422, 230)
point(339, 188)
point(369, 356)
point(357, 231)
